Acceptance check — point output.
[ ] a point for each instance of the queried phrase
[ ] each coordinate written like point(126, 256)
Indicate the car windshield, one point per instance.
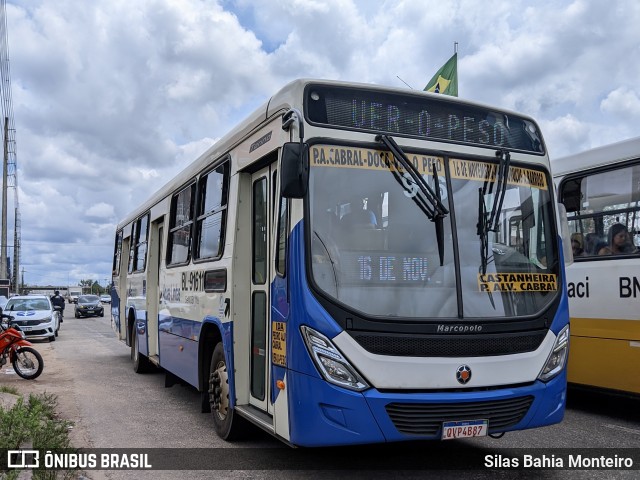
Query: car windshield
point(27, 304)
point(88, 299)
point(373, 249)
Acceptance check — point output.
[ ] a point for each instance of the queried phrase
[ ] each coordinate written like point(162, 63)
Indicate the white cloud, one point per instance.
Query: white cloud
point(622, 102)
point(101, 211)
point(112, 98)
point(564, 133)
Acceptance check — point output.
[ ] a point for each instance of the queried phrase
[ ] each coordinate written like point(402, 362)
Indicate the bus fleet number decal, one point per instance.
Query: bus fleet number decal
point(193, 281)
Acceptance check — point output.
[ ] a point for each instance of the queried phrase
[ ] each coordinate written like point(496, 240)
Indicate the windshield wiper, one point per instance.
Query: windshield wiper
point(439, 221)
point(501, 187)
point(333, 263)
point(433, 207)
point(482, 229)
point(483, 233)
point(429, 201)
point(492, 223)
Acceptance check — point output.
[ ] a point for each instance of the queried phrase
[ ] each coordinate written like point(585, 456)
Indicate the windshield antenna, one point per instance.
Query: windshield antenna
point(404, 82)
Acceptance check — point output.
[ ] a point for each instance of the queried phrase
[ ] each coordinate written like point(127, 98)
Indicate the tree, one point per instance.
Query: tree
point(86, 285)
point(92, 286)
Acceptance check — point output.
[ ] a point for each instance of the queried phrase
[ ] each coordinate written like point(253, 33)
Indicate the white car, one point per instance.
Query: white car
point(35, 316)
point(105, 298)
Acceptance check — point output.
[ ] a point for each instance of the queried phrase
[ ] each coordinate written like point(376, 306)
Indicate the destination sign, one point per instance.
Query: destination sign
point(376, 267)
point(368, 159)
point(517, 282)
point(420, 115)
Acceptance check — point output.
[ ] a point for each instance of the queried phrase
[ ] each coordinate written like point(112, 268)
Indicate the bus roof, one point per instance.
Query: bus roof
point(597, 157)
point(290, 95)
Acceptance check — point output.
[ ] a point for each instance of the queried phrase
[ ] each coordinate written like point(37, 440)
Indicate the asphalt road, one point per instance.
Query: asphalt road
point(113, 407)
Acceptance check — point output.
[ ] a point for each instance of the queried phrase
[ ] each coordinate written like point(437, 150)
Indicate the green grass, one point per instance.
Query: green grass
point(5, 389)
point(34, 424)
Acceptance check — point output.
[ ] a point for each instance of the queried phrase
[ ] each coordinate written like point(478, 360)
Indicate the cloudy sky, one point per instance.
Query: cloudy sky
point(111, 97)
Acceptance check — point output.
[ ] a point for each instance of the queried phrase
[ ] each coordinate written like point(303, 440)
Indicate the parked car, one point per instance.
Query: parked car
point(105, 298)
point(35, 316)
point(88, 305)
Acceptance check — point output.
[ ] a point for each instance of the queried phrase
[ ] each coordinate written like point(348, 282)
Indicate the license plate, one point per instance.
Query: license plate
point(464, 429)
point(26, 329)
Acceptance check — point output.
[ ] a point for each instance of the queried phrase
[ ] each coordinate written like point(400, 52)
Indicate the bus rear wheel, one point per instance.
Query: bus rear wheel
point(227, 424)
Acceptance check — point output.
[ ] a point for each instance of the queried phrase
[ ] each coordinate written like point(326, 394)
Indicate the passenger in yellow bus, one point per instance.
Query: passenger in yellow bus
point(619, 241)
point(592, 244)
point(576, 244)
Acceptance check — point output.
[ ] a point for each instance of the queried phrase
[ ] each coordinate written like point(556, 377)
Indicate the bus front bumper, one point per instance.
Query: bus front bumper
point(322, 414)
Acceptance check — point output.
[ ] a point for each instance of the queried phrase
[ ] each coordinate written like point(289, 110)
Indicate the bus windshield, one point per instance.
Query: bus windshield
point(375, 251)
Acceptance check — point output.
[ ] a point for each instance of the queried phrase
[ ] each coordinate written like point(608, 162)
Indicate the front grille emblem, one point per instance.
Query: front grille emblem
point(463, 374)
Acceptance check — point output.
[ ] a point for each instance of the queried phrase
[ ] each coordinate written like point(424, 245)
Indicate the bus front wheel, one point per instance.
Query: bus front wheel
point(227, 424)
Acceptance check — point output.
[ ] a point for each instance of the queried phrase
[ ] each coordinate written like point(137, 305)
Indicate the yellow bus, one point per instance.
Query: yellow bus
point(600, 189)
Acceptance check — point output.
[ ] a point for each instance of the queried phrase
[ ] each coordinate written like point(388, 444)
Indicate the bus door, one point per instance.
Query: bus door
point(261, 275)
point(153, 294)
point(123, 289)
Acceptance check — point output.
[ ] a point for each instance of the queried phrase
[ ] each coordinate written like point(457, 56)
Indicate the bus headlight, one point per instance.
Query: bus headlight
point(330, 362)
point(557, 358)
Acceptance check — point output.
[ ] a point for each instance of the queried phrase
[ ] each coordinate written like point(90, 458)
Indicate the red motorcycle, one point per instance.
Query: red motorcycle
point(26, 361)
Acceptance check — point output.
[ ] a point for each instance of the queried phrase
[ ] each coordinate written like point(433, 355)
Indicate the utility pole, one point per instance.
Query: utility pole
point(9, 171)
point(5, 166)
point(16, 246)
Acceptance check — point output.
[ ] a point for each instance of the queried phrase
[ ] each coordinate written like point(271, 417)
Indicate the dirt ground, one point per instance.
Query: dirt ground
point(57, 380)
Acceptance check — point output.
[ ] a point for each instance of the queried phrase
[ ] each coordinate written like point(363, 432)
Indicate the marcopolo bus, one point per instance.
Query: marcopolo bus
point(600, 189)
point(355, 264)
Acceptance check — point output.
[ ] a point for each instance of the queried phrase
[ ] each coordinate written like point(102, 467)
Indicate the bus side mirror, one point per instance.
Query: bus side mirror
point(294, 170)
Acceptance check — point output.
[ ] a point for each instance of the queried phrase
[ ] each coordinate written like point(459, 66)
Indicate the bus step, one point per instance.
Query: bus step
point(260, 418)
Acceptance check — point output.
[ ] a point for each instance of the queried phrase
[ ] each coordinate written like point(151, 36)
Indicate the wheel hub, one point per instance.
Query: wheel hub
point(219, 391)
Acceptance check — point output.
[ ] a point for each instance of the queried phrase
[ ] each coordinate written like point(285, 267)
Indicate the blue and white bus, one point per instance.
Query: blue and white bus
point(355, 264)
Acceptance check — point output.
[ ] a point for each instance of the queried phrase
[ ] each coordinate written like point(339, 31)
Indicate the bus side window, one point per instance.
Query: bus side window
point(283, 231)
point(594, 207)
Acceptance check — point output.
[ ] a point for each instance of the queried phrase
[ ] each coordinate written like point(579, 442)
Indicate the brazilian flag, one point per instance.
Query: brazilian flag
point(446, 79)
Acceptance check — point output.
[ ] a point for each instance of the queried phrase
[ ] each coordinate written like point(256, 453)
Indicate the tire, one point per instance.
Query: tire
point(52, 338)
point(228, 425)
point(141, 364)
point(27, 363)
point(102, 313)
point(77, 316)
